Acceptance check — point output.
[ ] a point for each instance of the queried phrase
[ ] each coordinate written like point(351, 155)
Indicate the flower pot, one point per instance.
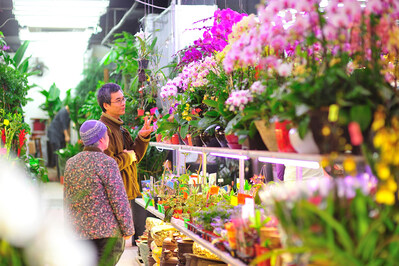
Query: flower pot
point(305, 145)
point(232, 142)
point(330, 136)
point(185, 140)
point(267, 133)
point(196, 141)
point(254, 143)
point(220, 136)
point(283, 140)
point(143, 63)
point(142, 75)
point(209, 140)
point(175, 139)
point(232, 138)
point(140, 112)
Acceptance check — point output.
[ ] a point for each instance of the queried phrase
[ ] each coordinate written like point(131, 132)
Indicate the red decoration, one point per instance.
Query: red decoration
point(282, 136)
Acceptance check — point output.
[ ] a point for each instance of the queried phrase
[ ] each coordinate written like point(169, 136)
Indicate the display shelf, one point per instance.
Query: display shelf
point(257, 153)
point(298, 160)
point(226, 257)
point(151, 209)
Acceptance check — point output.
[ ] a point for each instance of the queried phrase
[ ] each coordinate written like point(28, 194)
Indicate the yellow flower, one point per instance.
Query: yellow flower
point(380, 138)
point(326, 131)
point(299, 70)
point(391, 185)
point(6, 122)
point(385, 196)
point(349, 165)
point(395, 123)
point(335, 61)
point(383, 170)
point(379, 119)
point(324, 162)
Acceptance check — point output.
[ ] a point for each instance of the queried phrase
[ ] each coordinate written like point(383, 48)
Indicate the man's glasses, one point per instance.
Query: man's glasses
point(120, 100)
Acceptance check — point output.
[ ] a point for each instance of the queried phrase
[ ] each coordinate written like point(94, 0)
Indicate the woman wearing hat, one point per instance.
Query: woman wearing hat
point(95, 199)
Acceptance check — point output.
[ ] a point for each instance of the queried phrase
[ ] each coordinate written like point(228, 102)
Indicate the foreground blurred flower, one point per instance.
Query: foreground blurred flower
point(27, 235)
point(19, 206)
point(57, 247)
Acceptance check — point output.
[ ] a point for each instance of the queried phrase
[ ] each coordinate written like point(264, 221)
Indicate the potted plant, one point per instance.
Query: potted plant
point(338, 80)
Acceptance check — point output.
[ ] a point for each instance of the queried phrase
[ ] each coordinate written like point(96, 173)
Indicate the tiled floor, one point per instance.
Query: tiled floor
point(52, 193)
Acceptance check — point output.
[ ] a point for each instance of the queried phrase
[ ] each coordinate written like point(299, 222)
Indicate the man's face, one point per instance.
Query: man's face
point(117, 106)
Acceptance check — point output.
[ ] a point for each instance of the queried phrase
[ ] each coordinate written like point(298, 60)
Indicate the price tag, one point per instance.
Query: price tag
point(248, 210)
point(333, 113)
point(212, 179)
point(355, 133)
point(233, 201)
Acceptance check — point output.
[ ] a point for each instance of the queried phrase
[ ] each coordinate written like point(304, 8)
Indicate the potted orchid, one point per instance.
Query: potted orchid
point(200, 78)
point(342, 65)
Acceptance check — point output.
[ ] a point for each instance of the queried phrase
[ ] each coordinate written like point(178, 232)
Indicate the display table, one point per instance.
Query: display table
point(150, 209)
point(179, 225)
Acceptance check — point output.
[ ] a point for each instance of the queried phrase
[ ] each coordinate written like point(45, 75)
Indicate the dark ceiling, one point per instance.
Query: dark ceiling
point(116, 11)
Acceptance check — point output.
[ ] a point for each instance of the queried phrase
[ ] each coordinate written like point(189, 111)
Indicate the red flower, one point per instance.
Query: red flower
point(21, 138)
point(316, 200)
point(196, 111)
point(3, 136)
point(258, 68)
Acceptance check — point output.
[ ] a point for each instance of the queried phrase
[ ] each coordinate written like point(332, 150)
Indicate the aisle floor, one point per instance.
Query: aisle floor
point(52, 192)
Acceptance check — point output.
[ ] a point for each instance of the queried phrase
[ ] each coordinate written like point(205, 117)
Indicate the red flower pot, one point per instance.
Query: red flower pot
point(232, 142)
point(282, 136)
point(231, 138)
point(140, 112)
point(175, 139)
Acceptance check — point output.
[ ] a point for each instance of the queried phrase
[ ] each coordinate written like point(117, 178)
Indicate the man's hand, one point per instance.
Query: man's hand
point(147, 128)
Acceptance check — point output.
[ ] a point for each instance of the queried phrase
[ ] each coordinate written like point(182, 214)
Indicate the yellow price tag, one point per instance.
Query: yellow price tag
point(234, 200)
point(333, 113)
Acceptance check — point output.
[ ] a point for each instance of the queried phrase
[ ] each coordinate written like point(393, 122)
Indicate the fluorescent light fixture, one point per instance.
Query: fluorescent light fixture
point(59, 13)
point(227, 155)
point(291, 162)
point(199, 152)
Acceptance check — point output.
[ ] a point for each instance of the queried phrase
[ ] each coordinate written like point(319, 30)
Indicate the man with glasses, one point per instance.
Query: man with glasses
point(126, 152)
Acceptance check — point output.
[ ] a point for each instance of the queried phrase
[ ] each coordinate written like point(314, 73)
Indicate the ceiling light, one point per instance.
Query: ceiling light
point(59, 13)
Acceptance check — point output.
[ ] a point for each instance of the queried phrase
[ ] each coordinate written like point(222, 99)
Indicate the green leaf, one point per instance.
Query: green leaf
point(211, 103)
point(343, 235)
point(54, 93)
point(184, 130)
point(361, 114)
point(303, 127)
point(212, 113)
point(19, 54)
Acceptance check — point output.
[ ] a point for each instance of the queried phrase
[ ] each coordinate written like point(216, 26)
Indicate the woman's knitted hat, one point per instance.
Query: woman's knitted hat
point(92, 131)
